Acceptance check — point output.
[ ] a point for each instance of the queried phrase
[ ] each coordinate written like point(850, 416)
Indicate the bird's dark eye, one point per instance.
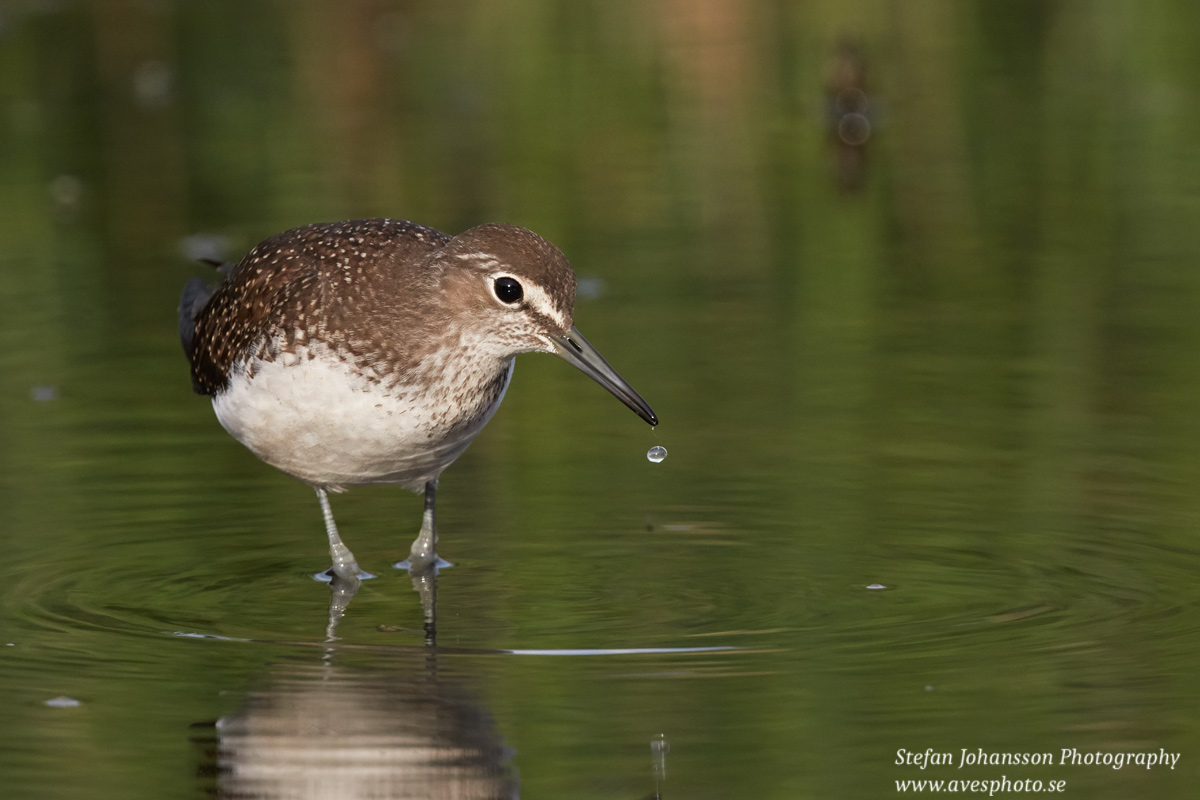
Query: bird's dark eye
point(508, 290)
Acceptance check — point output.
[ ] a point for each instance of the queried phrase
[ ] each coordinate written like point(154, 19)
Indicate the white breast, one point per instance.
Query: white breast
point(321, 421)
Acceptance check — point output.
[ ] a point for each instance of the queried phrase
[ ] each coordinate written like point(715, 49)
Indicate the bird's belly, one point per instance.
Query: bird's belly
point(321, 421)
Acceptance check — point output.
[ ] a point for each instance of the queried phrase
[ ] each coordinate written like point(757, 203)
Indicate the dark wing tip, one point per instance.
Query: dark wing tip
point(195, 294)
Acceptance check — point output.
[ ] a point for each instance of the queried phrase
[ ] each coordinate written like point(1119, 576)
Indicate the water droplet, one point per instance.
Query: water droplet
point(876, 586)
point(656, 453)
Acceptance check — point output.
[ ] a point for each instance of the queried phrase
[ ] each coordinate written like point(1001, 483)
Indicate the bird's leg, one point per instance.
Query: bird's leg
point(424, 547)
point(344, 565)
point(423, 554)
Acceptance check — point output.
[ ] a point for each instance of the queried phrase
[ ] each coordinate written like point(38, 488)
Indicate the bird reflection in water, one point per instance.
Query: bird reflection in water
point(343, 589)
point(337, 732)
point(401, 728)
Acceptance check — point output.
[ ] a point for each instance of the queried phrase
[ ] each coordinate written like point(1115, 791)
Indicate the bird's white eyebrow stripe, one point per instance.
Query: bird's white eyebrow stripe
point(537, 298)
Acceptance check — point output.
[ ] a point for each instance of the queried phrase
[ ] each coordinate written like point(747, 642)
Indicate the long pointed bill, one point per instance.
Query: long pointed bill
point(573, 348)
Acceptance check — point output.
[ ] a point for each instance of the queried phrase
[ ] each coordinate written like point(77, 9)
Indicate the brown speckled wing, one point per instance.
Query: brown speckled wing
point(303, 281)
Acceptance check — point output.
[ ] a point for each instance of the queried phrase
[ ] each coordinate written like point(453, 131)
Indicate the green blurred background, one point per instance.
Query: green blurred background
point(950, 346)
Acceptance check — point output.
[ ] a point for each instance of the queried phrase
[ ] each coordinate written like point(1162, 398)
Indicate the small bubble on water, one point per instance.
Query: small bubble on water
point(63, 702)
point(66, 192)
point(876, 586)
point(656, 453)
point(152, 84)
point(589, 288)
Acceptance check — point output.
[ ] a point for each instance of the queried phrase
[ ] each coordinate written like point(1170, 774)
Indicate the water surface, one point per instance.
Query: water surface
point(961, 362)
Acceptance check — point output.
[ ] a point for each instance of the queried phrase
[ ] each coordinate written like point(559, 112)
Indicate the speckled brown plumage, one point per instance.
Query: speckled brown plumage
point(363, 286)
point(327, 280)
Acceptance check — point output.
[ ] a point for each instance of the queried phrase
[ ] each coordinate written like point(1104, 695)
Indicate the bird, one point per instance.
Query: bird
point(373, 351)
